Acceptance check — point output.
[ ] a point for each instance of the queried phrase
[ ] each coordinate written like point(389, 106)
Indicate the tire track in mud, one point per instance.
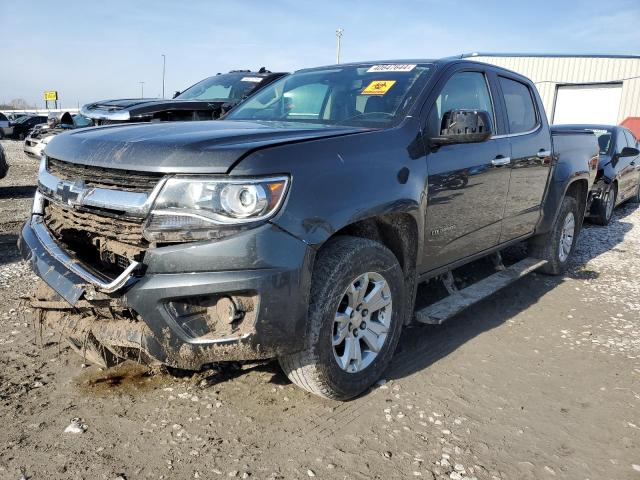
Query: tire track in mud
point(411, 359)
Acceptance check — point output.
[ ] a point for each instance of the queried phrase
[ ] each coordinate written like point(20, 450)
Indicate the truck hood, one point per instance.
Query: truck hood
point(181, 147)
point(130, 109)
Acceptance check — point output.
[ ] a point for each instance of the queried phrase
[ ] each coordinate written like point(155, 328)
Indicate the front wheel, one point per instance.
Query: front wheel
point(355, 318)
point(556, 246)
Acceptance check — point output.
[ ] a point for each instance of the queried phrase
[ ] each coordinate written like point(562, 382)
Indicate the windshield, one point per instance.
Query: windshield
point(227, 87)
point(23, 118)
point(81, 121)
point(367, 95)
point(604, 140)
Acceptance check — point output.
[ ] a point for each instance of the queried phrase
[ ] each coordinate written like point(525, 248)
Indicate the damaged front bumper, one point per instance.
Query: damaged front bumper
point(243, 297)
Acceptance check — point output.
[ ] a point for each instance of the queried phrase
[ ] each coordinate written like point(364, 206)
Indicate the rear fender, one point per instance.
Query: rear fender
point(558, 188)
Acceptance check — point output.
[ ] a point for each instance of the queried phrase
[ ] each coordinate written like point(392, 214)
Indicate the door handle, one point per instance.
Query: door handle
point(543, 154)
point(633, 163)
point(499, 161)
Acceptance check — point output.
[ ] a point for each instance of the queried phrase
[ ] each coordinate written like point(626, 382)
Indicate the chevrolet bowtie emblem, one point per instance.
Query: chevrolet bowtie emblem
point(71, 192)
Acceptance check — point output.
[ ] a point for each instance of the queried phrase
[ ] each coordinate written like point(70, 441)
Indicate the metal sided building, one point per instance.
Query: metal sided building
point(601, 89)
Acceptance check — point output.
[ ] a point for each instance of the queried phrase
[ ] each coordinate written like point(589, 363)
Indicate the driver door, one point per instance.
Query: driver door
point(468, 183)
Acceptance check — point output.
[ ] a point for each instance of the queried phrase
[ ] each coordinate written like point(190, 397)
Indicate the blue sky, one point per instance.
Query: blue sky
point(90, 50)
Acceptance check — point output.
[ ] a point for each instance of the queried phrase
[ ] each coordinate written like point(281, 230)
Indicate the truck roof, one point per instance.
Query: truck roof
point(585, 126)
point(437, 61)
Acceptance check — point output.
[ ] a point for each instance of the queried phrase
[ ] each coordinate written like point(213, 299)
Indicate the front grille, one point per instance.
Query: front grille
point(100, 177)
point(107, 244)
point(112, 228)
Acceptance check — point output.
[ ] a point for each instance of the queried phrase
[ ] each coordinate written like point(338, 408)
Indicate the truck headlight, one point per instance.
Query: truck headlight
point(199, 208)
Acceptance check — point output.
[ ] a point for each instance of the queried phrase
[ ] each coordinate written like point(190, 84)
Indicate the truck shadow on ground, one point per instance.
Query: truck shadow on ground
point(422, 345)
point(8, 248)
point(18, 191)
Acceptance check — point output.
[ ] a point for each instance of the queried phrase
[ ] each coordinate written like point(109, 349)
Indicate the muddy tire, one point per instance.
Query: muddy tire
point(355, 318)
point(556, 246)
point(602, 209)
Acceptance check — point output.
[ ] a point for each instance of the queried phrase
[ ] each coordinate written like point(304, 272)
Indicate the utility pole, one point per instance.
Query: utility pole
point(339, 32)
point(164, 60)
point(141, 89)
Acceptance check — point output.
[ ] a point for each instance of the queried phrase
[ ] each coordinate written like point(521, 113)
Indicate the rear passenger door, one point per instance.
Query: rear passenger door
point(634, 164)
point(625, 167)
point(530, 142)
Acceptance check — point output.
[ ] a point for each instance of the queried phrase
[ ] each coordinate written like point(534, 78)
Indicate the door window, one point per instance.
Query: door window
point(521, 112)
point(631, 140)
point(306, 101)
point(621, 141)
point(463, 91)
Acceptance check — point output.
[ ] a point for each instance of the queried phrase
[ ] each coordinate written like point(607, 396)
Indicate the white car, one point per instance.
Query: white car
point(4, 125)
point(37, 140)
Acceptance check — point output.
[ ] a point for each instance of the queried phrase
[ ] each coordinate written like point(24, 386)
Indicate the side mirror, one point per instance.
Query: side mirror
point(177, 92)
point(464, 126)
point(629, 152)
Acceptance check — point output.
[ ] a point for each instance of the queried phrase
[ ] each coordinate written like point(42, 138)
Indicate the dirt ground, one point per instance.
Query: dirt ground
point(541, 381)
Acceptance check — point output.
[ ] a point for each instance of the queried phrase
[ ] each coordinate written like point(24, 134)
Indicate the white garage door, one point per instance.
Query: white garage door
point(587, 104)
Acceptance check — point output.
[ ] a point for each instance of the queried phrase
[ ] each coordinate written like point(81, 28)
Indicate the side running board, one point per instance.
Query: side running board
point(438, 312)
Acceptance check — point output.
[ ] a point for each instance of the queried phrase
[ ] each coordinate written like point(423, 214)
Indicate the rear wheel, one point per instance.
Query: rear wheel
point(355, 318)
point(603, 208)
point(557, 245)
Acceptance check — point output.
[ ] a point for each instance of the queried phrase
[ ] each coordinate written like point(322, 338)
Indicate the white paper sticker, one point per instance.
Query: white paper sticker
point(252, 79)
point(391, 68)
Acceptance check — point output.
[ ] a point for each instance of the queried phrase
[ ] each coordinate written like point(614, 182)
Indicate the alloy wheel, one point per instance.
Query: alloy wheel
point(566, 237)
point(362, 322)
point(611, 202)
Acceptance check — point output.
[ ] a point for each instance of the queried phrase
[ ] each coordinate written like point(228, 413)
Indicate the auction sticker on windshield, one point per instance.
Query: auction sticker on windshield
point(378, 87)
point(251, 79)
point(391, 68)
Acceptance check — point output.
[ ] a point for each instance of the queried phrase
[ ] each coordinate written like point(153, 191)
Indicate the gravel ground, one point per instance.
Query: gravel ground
point(538, 382)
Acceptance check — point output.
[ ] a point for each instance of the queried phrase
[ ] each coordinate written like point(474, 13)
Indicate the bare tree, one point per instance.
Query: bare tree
point(19, 104)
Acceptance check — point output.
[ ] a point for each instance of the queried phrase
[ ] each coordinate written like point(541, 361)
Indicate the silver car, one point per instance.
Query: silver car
point(4, 125)
point(40, 136)
point(4, 166)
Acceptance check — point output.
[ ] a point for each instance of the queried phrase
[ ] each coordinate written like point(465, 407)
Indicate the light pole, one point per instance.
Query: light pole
point(339, 32)
point(141, 89)
point(164, 60)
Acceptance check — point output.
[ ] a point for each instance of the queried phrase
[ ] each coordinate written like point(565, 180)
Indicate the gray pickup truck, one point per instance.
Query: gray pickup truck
point(299, 227)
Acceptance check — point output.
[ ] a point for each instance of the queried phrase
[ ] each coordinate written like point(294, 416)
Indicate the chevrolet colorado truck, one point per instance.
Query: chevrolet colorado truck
point(206, 100)
point(299, 227)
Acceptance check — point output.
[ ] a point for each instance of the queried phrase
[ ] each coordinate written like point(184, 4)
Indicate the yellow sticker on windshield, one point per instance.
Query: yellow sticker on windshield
point(378, 87)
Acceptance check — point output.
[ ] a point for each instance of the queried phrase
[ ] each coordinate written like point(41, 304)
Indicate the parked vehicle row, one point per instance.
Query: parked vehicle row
point(20, 126)
point(300, 226)
point(206, 100)
point(4, 165)
point(42, 134)
point(618, 177)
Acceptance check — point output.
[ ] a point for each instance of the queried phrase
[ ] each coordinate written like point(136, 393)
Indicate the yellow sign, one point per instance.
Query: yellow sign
point(51, 96)
point(378, 87)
